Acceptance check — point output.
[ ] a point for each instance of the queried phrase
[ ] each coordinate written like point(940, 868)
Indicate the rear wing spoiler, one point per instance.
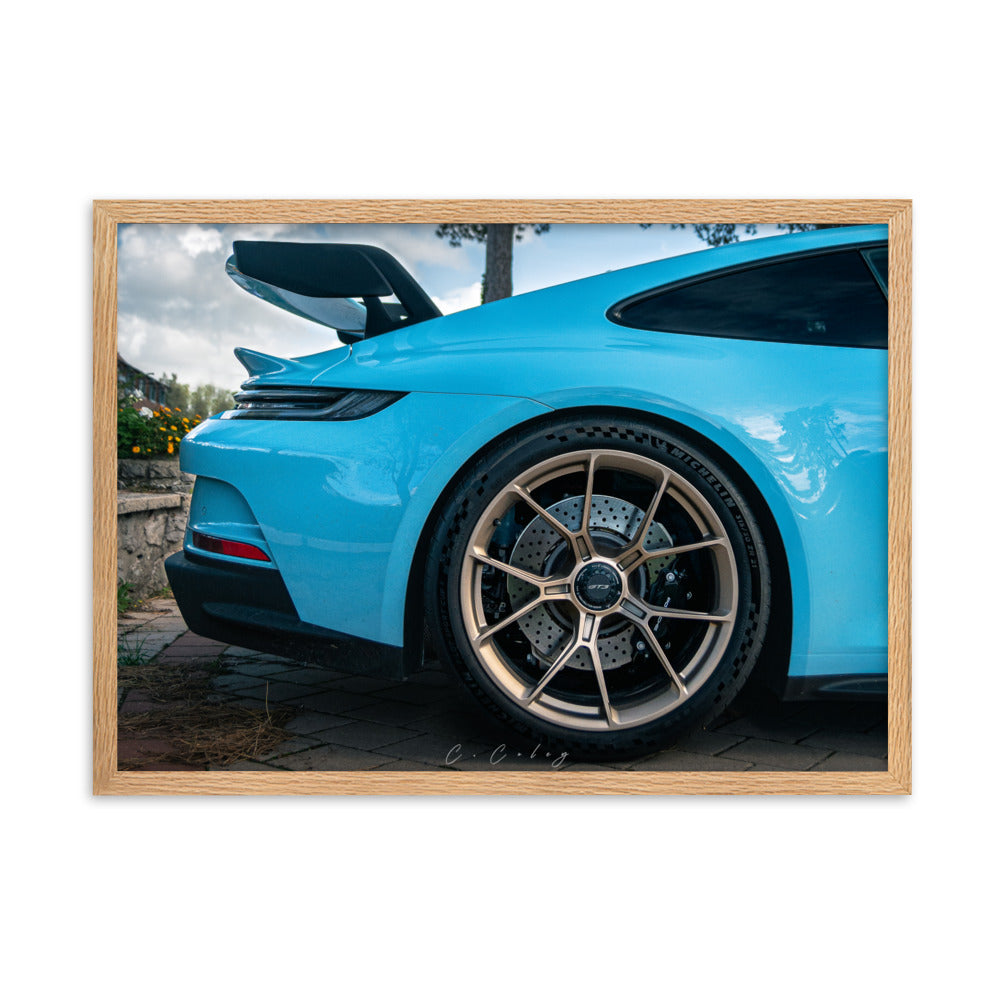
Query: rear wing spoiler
point(323, 281)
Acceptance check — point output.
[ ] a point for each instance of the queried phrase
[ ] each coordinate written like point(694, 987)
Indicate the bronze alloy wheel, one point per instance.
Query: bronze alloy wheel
point(600, 591)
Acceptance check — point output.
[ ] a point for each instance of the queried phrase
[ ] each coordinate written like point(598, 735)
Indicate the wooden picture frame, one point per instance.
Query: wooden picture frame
point(897, 214)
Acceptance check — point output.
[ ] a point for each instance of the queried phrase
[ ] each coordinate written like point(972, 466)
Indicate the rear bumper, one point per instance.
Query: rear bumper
point(250, 606)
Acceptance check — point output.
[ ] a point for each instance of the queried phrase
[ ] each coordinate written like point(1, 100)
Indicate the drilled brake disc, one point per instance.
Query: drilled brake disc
point(538, 549)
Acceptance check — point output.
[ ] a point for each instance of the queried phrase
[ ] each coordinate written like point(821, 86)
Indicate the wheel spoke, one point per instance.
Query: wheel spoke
point(588, 503)
point(560, 661)
point(552, 520)
point(595, 658)
point(676, 550)
point(633, 554)
point(543, 583)
point(647, 519)
point(683, 614)
point(640, 612)
point(480, 637)
point(662, 657)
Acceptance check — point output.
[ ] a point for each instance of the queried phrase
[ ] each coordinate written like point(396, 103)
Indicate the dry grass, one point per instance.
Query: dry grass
point(190, 724)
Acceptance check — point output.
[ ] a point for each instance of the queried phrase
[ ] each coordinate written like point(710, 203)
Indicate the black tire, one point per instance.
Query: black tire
point(566, 666)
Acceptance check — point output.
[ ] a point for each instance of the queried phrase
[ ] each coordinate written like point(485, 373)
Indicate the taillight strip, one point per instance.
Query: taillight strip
point(226, 547)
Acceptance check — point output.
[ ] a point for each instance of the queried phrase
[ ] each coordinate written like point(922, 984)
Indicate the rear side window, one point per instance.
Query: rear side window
point(878, 259)
point(831, 299)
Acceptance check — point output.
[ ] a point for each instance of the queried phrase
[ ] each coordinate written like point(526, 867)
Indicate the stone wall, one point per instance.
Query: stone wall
point(157, 475)
point(153, 502)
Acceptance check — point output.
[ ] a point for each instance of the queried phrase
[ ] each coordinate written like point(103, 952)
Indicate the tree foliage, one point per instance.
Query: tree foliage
point(456, 233)
point(204, 399)
point(718, 234)
point(500, 238)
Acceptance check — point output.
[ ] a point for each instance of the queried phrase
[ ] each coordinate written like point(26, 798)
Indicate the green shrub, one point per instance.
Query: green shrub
point(125, 599)
point(150, 433)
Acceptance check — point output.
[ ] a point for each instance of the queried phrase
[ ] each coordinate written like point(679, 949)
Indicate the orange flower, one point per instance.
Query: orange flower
point(136, 449)
point(170, 447)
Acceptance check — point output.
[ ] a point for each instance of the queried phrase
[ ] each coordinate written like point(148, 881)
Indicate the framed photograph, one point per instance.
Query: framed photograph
point(502, 497)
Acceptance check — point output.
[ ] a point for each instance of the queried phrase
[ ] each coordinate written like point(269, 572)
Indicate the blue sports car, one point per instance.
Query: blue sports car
point(608, 502)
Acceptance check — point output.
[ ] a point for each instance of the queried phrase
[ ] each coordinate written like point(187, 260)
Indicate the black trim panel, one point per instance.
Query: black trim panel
point(852, 687)
point(250, 606)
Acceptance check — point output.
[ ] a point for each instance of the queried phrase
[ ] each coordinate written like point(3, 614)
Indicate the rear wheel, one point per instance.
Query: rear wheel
point(602, 588)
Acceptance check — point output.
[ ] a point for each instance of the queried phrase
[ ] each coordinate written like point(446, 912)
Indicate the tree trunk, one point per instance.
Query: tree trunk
point(499, 259)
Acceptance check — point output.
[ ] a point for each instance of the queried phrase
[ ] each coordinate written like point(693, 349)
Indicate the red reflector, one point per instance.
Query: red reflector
point(227, 548)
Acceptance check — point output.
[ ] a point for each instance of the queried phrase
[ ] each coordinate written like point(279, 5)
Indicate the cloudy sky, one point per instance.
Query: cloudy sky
point(179, 312)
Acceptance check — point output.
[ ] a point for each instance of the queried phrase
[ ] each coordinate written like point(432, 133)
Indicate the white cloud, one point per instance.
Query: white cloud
point(459, 299)
point(201, 239)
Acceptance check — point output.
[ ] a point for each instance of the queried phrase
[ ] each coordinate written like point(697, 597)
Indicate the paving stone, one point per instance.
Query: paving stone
point(246, 765)
point(708, 742)
point(234, 682)
point(159, 605)
point(774, 727)
point(507, 760)
point(258, 668)
point(166, 633)
point(191, 651)
point(277, 692)
point(460, 722)
point(167, 765)
point(334, 702)
point(248, 654)
point(416, 694)
point(776, 756)
point(138, 701)
point(845, 716)
point(358, 685)
point(364, 735)
point(435, 678)
point(172, 657)
point(328, 758)
point(433, 749)
point(317, 676)
point(680, 760)
point(165, 625)
point(133, 618)
point(140, 746)
point(866, 744)
point(410, 765)
point(193, 639)
point(143, 644)
point(390, 713)
point(431, 713)
point(851, 762)
point(316, 722)
point(290, 746)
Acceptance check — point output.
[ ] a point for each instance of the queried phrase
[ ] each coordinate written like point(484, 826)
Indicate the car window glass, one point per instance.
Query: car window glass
point(879, 261)
point(830, 299)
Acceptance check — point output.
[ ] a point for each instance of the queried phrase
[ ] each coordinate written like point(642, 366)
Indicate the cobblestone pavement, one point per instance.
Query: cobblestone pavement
point(347, 722)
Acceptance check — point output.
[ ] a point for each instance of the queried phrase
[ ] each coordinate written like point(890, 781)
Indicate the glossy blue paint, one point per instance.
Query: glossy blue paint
point(353, 496)
point(219, 510)
point(807, 424)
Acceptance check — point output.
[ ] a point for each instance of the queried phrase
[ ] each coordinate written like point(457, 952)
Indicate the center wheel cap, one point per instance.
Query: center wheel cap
point(597, 587)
